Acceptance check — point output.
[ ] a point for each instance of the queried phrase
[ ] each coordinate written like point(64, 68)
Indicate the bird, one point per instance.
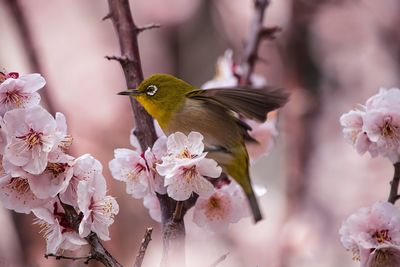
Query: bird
point(216, 114)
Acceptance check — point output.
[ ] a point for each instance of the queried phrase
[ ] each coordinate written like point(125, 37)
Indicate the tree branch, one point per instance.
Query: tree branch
point(219, 260)
point(394, 184)
point(256, 34)
point(59, 257)
point(143, 247)
point(127, 33)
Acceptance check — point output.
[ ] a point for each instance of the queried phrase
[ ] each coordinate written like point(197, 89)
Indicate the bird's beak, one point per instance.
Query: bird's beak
point(131, 92)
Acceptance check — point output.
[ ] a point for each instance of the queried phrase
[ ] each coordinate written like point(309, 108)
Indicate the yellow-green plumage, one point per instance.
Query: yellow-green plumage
point(178, 106)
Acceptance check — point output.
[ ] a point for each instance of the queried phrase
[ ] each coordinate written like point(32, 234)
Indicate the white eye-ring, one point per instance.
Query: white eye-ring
point(151, 90)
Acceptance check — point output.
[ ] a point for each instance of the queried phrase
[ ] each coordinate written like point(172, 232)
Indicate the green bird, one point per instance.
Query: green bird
point(180, 107)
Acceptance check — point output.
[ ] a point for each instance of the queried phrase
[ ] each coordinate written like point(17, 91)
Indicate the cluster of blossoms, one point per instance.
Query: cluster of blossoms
point(39, 176)
point(373, 233)
point(177, 165)
point(376, 126)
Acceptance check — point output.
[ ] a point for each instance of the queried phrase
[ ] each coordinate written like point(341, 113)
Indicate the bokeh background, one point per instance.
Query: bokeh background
point(331, 55)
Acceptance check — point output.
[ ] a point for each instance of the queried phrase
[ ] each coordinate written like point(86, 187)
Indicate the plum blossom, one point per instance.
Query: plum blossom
point(373, 231)
point(375, 128)
point(153, 157)
point(150, 201)
point(130, 167)
point(85, 168)
point(186, 166)
point(226, 205)
point(97, 208)
point(20, 91)
point(55, 178)
point(57, 231)
point(31, 136)
point(16, 194)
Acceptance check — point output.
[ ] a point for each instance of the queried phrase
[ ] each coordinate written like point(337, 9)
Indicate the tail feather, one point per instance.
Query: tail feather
point(255, 209)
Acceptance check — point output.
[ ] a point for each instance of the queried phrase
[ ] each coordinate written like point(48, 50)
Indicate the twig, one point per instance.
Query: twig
point(148, 27)
point(29, 46)
point(143, 247)
point(59, 257)
point(394, 184)
point(127, 32)
point(256, 34)
point(219, 260)
point(97, 250)
point(178, 213)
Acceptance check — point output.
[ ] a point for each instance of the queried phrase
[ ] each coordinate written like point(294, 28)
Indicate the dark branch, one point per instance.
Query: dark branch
point(148, 27)
point(394, 184)
point(59, 257)
point(108, 16)
point(256, 34)
point(143, 247)
point(219, 260)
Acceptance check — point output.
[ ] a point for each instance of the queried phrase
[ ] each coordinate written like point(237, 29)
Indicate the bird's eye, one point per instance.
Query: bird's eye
point(151, 90)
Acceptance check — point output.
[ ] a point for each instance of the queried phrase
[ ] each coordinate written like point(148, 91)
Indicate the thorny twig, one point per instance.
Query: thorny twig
point(219, 260)
point(143, 247)
point(59, 257)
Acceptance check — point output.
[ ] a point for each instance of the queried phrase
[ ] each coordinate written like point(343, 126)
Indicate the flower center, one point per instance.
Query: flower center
point(190, 173)
point(389, 130)
point(20, 185)
point(14, 97)
point(56, 168)
point(32, 138)
point(382, 236)
point(134, 174)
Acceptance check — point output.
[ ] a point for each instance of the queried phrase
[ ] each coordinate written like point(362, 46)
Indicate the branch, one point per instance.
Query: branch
point(59, 257)
point(97, 250)
point(394, 184)
point(143, 247)
point(256, 34)
point(173, 232)
point(147, 27)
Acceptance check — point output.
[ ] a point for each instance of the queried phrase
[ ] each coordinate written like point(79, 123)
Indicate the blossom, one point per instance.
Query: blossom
point(153, 157)
point(55, 178)
point(385, 98)
point(85, 168)
point(20, 92)
point(226, 205)
point(16, 194)
point(372, 231)
point(31, 136)
point(185, 167)
point(130, 167)
point(151, 202)
point(56, 228)
point(382, 127)
point(265, 134)
point(97, 208)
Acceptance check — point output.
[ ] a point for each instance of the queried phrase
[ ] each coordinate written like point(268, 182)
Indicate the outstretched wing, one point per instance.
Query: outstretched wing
point(253, 103)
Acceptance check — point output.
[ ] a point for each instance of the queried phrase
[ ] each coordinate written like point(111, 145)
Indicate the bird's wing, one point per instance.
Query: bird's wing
point(253, 103)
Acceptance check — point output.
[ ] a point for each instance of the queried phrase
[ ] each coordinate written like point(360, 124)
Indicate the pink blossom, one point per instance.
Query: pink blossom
point(55, 178)
point(370, 230)
point(130, 167)
point(20, 92)
point(224, 76)
point(57, 231)
point(226, 205)
point(153, 157)
point(185, 167)
point(150, 201)
point(265, 134)
point(85, 168)
point(382, 127)
point(31, 136)
point(97, 208)
point(16, 194)
point(386, 98)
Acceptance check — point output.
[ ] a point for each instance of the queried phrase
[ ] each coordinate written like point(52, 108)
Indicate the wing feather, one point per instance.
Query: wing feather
point(253, 103)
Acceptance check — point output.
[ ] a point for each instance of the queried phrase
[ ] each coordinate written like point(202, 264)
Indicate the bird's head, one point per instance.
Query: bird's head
point(160, 95)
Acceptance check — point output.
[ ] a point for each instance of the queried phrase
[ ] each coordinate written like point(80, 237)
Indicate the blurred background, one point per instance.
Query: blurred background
point(331, 55)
